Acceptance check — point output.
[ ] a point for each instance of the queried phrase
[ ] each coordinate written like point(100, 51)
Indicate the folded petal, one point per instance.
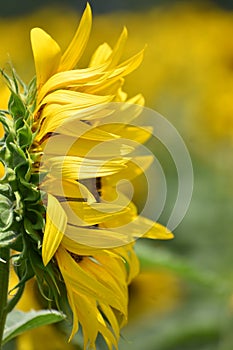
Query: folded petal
point(47, 55)
point(55, 226)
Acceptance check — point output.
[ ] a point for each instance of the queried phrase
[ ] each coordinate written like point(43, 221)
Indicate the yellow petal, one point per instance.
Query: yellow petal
point(73, 304)
point(85, 214)
point(129, 65)
point(138, 100)
point(87, 312)
point(80, 249)
point(131, 258)
point(56, 221)
point(99, 271)
point(121, 96)
point(157, 231)
point(69, 189)
point(130, 132)
point(77, 46)
point(69, 118)
point(82, 168)
point(2, 170)
point(47, 55)
point(118, 49)
point(141, 227)
point(83, 100)
point(105, 87)
point(134, 168)
point(98, 237)
point(105, 54)
point(84, 282)
point(111, 319)
point(71, 77)
point(101, 55)
point(81, 147)
point(114, 266)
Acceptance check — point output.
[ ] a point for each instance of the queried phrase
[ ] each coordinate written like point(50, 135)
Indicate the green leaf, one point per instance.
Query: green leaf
point(18, 322)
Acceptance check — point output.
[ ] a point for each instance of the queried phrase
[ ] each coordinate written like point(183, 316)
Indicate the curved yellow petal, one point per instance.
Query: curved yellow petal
point(86, 214)
point(80, 98)
point(118, 48)
point(84, 282)
point(77, 77)
point(77, 46)
point(74, 146)
point(157, 231)
point(83, 168)
point(80, 249)
point(70, 119)
point(55, 226)
point(98, 237)
point(68, 189)
point(107, 87)
point(129, 255)
point(101, 55)
point(141, 227)
point(87, 312)
point(47, 55)
point(98, 270)
point(129, 65)
point(135, 167)
point(130, 132)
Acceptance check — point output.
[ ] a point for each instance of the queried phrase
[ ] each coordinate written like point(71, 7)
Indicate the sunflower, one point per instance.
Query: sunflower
point(84, 227)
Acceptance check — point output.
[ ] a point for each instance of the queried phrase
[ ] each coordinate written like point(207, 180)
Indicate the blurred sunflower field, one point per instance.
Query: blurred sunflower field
point(183, 297)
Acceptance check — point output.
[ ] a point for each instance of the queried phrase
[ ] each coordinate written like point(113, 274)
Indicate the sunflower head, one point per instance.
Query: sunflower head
point(69, 138)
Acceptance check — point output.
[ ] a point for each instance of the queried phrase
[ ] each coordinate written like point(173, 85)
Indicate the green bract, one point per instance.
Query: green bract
point(22, 213)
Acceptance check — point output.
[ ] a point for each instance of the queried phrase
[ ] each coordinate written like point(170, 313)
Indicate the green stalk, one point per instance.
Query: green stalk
point(4, 281)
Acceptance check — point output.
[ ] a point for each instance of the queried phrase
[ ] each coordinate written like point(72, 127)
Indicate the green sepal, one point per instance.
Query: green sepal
point(28, 193)
point(16, 106)
point(23, 269)
point(7, 239)
point(36, 218)
point(35, 179)
point(6, 122)
point(23, 171)
point(28, 226)
point(31, 94)
point(48, 279)
point(5, 189)
point(17, 245)
point(19, 122)
point(24, 136)
point(17, 155)
point(6, 213)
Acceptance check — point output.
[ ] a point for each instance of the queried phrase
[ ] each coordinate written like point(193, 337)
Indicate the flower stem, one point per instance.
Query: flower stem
point(4, 280)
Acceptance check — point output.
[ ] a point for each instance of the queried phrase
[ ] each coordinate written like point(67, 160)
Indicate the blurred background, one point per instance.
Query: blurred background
point(183, 298)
